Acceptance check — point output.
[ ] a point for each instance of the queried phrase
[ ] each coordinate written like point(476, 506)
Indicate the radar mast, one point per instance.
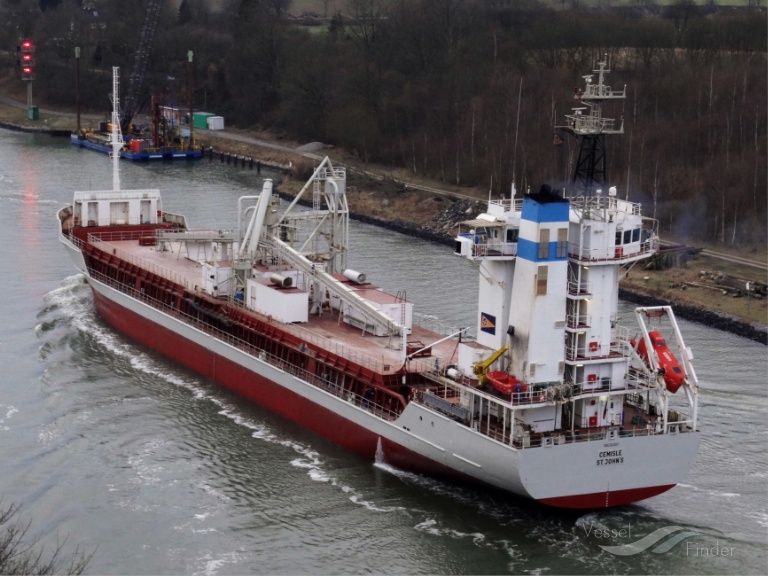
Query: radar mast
point(589, 126)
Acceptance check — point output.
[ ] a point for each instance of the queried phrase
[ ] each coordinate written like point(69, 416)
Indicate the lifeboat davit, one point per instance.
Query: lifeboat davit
point(506, 383)
point(669, 367)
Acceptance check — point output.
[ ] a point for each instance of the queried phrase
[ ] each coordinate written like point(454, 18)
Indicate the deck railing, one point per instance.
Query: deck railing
point(490, 249)
point(382, 411)
point(439, 398)
point(162, 271)
point(360, 358)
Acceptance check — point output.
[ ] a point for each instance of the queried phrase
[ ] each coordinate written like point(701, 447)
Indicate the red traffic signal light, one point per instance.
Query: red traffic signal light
point(26, 60)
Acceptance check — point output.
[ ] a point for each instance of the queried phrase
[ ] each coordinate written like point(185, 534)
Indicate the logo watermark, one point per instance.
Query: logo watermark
point(659, 541)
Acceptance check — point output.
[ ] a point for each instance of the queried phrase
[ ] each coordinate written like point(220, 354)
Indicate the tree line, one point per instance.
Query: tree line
point(468, 92)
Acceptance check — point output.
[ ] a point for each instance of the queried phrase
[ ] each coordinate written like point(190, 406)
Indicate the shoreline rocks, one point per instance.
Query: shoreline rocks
point(700, 315)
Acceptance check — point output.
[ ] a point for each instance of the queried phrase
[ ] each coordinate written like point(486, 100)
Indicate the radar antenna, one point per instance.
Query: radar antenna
point(591, 129)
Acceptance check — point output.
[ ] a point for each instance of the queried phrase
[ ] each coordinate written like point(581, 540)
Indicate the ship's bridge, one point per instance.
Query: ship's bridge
point(610, 230)
point(492, 235)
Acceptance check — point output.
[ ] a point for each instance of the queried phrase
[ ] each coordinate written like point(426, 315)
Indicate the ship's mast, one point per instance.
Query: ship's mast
point(116, 139)
point(589, 126)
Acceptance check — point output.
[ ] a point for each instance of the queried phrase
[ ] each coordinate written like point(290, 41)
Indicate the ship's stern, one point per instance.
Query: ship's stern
point(609, 472)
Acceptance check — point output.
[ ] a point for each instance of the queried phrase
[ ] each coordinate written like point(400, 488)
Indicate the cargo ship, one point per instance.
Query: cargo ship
point(549, 399)
point(164, 139)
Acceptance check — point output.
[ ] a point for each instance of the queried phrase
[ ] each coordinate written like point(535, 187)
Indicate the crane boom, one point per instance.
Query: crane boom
point(136, 81)
point(481, 368)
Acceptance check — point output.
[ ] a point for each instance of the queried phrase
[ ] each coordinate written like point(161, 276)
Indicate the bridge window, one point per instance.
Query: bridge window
point(627, 236)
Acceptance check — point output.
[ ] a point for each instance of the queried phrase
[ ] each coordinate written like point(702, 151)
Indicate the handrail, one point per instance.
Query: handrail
point(156, 269)
point(250, 349)
point(587, 205)
point(146, 194)
point(351, 354)
point(579, 288)
point(578, 320)
point(613, 253)
point(494, 249)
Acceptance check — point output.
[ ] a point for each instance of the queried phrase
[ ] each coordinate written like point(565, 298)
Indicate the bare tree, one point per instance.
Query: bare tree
point(21, 555)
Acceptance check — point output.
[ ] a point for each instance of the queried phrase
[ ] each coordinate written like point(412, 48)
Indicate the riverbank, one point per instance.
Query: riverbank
point(423, 209)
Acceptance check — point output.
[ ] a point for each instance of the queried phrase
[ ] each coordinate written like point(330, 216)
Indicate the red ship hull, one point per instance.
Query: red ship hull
point(271, 395)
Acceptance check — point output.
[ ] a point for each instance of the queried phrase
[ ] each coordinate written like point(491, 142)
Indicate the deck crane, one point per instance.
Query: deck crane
point(136, 81)
point(482, 367)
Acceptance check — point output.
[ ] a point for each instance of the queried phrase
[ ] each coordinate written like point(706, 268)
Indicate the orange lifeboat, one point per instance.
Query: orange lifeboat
point(506, 383)
point(669, 367)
